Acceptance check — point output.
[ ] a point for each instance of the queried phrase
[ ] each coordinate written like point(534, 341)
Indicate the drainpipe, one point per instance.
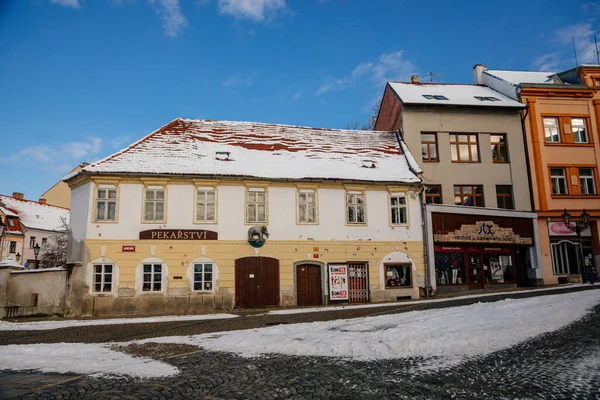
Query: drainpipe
point(527, 164)
point(400, 139)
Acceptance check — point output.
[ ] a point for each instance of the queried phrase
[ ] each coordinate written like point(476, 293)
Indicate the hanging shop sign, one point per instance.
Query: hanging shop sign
point(561, 229)
point(338, 282)
point(179, 234)
point(483, 232)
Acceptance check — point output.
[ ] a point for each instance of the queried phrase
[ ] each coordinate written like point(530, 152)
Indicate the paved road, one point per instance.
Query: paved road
point(563, 364)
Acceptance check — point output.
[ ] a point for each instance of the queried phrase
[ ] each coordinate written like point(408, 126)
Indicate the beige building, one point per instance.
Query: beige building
point(473, 156)
point(60, 194)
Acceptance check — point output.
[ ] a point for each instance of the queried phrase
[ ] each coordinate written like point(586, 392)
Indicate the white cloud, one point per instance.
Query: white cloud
point(582, 35)
point(296, 95)
point(240, 80)
point(66, 3)
point(173, 20)
point(388, 66)
point(256, 10)
point(64, 153)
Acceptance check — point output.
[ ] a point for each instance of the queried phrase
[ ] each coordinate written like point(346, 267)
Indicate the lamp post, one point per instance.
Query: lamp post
point(2, 226)
point(36, 253)
point(581, 224)
point(18, 257)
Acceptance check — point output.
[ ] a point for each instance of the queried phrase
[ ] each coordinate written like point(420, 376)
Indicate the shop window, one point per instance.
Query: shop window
point(256, 206)
point(429, 147)
point(356, 212)
point(206, 205)
point(154, 205)
point(464, 148)
point(468, 195)
point(103, 278)
point(433, 194)
point(498, 268)
point(203, 277)
point(398, 212)
point(579, 130)
point(106, 204)
point(13, 247)
point(398, 276)
point(504, 196)
point(551, 130)
point(307, 207)
point(586, 180)
point(566, 257)
point(152, 280)
point(559, 181)
point(31, 242)
point(499, 148)
point(450, 268)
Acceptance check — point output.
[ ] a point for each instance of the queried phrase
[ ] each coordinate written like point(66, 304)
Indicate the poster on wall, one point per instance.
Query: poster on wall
point(338, 282)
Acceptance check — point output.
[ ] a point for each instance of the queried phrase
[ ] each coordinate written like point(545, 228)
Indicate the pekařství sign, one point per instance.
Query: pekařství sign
point(179, 234)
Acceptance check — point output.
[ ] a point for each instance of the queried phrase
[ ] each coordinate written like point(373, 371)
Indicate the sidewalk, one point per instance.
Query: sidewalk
point(259, 318)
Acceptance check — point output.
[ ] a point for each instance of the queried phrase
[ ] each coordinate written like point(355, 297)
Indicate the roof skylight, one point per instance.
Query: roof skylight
point(435, 97)
point(486, 98)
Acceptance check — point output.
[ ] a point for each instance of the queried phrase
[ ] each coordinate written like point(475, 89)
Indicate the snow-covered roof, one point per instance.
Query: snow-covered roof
point(250, 149)
point(450, 94)
point(10, 263)
point(34, 215)
point(7, 212)
point(518, 77)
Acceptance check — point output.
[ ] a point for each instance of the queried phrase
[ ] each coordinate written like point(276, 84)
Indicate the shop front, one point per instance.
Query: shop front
point(570, 253)
point(479, 249)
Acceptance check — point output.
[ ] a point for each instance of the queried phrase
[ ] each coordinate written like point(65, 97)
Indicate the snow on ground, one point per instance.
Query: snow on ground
point(81, 358)
point(442, 337)
point(47, 325)
point(410, 302)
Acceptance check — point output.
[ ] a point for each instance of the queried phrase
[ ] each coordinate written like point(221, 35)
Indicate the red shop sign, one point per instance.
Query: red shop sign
point(448, 249)
point(127, 248)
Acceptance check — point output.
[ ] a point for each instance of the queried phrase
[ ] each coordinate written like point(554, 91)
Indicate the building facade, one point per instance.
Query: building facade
point(563, 142)
point(60, 194)
point(205, 215)
point(473, 157)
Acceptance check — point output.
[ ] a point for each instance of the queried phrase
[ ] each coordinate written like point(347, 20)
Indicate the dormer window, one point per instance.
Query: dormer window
point(369, 164)
point(222, 155)
point(486, 98)
point(435, 97)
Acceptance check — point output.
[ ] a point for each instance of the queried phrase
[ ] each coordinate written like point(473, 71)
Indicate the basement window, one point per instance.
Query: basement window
point(435, 97)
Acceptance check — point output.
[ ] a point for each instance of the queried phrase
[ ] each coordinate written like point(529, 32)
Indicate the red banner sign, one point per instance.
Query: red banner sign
point(127, 248)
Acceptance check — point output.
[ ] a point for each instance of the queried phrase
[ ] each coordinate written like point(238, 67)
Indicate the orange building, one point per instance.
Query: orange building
point(562, 126)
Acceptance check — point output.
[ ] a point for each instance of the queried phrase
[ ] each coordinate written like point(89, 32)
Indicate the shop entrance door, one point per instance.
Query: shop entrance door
point(474, 271)
point(358, 284)
point(308, 285)
point(256, 282)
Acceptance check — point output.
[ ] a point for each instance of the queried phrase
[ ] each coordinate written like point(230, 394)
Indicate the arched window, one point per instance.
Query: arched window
point(103, 276)
point(203, 275)
point(152, 276)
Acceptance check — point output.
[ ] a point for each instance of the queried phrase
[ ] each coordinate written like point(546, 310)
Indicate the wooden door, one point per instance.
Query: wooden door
point(475, 271)
point(358, 283)
point(256, 282)
point(308, 285)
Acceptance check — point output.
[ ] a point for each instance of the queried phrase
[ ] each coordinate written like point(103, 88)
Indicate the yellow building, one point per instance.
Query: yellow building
point(60, 193)
point(203, 215)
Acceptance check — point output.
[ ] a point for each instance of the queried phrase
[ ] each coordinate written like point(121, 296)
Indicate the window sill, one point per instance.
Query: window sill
point(406, 225)
point(154, 222)
point(307, 223)
point(561, 144)
point(467, 162)
point(105, 222)
point(205, 222)
point(575, 196)
point(356, 224)
point(431, 161)
point(500, 162)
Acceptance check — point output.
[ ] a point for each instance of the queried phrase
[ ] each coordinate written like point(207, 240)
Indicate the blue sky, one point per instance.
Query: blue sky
point(80, 79)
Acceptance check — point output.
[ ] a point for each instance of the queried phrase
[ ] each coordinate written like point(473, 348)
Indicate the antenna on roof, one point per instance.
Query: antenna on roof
point(574, 51)
point(597, 52)
point(431, 76)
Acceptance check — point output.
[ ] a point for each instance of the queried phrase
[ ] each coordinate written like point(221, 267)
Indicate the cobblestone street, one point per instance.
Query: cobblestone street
point(563, 364)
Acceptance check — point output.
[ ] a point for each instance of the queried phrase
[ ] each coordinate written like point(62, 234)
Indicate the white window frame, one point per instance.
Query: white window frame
point(548, 139)
point(399, 207)
point(588, 182)
point(251, 200)
point(352, 202)
point(303, 204)
point(203, 281)
point(153, 273)
point(32, 242)
point(206, 203)
point(577, 130)
point(557, 179)
point(102, 275)
point(153, 203)
point(106, 201)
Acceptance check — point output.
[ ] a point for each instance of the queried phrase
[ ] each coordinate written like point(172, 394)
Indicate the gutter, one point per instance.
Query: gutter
point(527, 163)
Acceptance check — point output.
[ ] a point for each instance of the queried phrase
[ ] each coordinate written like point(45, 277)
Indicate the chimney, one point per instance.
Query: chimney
point(414, 79)
point(478, 73)
point(42, 200)
point(17, 195)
